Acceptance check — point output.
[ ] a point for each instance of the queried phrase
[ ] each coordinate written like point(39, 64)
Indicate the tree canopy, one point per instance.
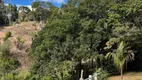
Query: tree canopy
point(87, 30)
point(80, 35)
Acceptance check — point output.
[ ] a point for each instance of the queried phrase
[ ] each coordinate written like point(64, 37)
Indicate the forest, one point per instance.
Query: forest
point(96, 36)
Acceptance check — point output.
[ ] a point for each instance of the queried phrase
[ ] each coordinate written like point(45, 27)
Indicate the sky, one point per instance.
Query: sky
point(28, 2)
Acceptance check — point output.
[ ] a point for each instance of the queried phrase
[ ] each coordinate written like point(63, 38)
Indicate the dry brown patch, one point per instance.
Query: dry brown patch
point(24, 30)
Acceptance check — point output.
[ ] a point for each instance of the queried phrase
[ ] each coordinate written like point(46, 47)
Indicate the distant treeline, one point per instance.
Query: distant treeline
point(10, 13)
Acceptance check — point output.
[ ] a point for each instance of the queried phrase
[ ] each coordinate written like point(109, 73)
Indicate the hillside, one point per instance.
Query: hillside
point(26, 31)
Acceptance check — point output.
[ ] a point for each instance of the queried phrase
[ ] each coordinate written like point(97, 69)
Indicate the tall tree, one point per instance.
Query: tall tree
point(12, 9)
point(82, 30)
point(35, 5)
point(23, 12)
point(1, 1)
point(2, 13)
point(120, 57)
point(67, 37)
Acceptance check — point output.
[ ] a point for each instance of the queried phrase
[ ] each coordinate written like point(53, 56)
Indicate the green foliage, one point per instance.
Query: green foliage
point(5, 38)
point(7, 63)
point(3, 17)
point(35, 4)
point(23, 13)
point(67, 37)
point(19, 42)
point(84, 30)
point(17, 75)
point(5, 10)
point(13, 10)
point(119, 58)
point(7, 35)
point(101, 74)
point(41, 11)
point(8, 77)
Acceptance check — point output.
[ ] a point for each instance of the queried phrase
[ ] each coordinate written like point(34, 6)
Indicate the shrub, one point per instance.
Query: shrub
point(110, 68)
point(101, 74)
point(17, 75)
point(17, 21)
point(22, 75)
point(5, 38)
point(4, 49)
point(33, 34)
point(8, 34)
point(7, 62)
point(8, 77)
point(33, 24)
point(19, 42)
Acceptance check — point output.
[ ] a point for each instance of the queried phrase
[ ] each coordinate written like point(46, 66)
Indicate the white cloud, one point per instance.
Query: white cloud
point(6, 4)
point(18, 5)
point(55, 1)
point(29, 6)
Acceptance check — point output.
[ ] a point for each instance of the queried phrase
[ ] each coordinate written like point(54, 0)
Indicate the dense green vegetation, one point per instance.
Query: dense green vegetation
point(40, 12)
point(7, 63)
point(101, 36)
point(5, 10)
point(84, 31)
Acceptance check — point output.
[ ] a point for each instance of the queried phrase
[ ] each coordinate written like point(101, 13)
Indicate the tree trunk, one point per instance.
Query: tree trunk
point(62, 75)
point(121, 73)
point(92, 63)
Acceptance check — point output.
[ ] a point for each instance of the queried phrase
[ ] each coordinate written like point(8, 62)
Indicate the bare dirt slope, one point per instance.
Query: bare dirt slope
point(25, 30)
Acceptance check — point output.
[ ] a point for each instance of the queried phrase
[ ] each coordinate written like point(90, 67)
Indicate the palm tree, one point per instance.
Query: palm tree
point(120, 57)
